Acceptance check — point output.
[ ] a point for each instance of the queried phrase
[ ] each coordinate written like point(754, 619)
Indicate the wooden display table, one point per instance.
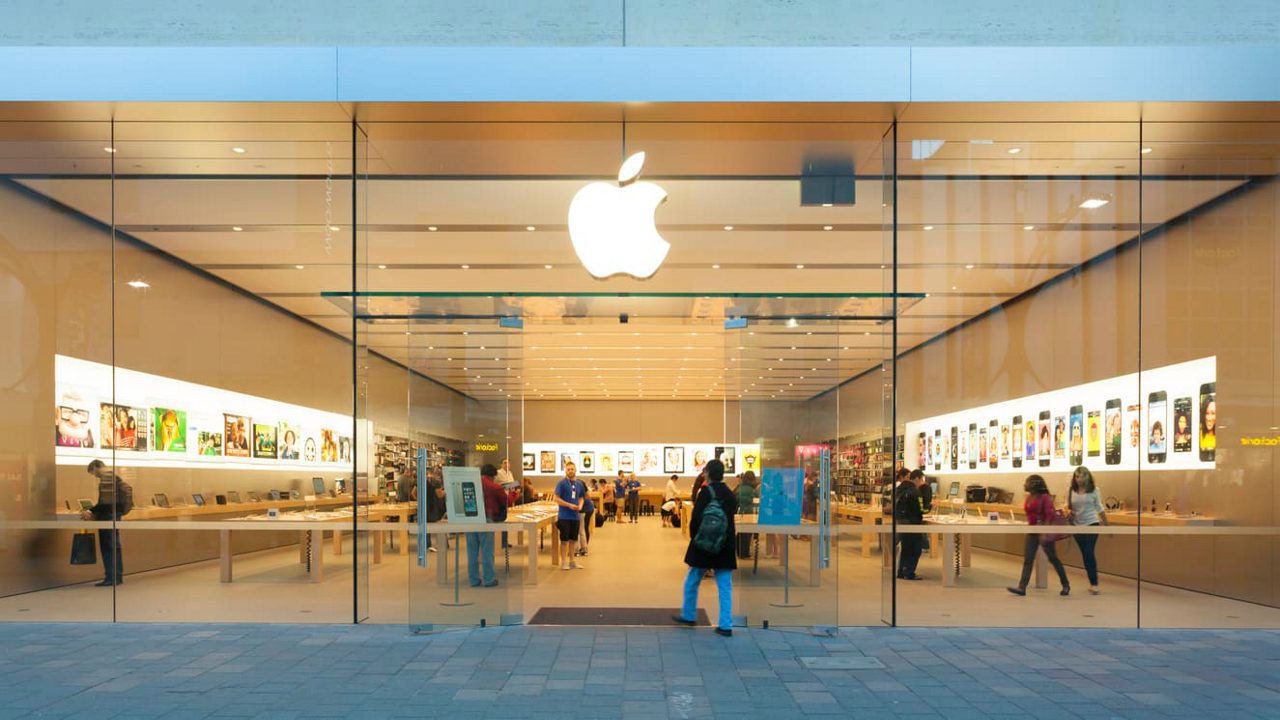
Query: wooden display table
point(750, 524)
point(866, 515)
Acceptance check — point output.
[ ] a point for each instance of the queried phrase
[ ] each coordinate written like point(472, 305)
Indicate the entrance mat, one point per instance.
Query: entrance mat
point(610, 616)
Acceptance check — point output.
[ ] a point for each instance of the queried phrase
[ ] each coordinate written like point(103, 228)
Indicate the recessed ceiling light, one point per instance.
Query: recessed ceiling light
point(382, 267)
point(826, 204)
point(953, 287)
point(1094, 203)
point(432, 228)
point(466, 267)
point(109, 149)
point(139, 284)
point(548, 267)
point(715, 267)
point(969, 266)
point(530, 228)
point(928, 227)
point(334, 228)
point(1028, 227)
point(300, 267)
point(799, 267)
point(1146, 150)
point(826, 227)
point(1014, 150)
point(237, 228)
point(728, 227)
point(237, 150)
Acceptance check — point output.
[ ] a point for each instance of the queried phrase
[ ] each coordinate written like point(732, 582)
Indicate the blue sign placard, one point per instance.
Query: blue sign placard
point(781, 495)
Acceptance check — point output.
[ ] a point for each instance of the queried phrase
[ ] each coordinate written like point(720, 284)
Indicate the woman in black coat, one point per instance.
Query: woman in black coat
point(723, 562)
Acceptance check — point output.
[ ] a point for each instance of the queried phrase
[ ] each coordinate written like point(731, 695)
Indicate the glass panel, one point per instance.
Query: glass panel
point(1020, 234)
point(1209, 261)
point(56, 293)
point(226, 234)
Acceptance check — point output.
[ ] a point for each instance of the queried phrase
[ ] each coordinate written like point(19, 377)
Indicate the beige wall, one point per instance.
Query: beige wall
point(1208, 287)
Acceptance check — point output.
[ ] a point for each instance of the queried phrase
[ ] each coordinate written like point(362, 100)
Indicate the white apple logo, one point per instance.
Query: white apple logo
point(612, 226)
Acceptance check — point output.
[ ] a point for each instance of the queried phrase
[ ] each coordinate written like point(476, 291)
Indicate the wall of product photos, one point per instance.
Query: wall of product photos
point(645, 460)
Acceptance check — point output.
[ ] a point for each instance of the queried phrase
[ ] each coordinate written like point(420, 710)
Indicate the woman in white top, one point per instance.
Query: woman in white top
point(1086, 509)
point(670, 500)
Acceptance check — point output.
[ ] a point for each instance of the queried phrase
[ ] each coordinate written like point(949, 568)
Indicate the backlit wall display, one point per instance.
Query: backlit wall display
point(1164, 419)
point(648, 460)
point(154, 421)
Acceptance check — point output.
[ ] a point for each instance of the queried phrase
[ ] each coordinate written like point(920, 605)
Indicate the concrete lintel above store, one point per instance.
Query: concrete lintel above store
point(641, 74)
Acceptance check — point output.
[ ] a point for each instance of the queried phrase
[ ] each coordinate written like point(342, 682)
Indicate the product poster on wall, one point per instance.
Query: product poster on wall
point(236, 435)
point(124, 428)
point(264, 441)
point(644, 460)
point(781, 496)
point(1102, 425)
point(527, 462)
point(72, 424)
point(290, 449)
point(171, 429)
point(328, 446)
point(208, 443)
point(673, 459)
point(464, 496)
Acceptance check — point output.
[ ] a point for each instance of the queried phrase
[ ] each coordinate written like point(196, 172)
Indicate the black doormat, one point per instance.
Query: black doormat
point(610, 616)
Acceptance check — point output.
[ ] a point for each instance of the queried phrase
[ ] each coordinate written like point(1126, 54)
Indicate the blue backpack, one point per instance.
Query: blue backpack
point(714, 528)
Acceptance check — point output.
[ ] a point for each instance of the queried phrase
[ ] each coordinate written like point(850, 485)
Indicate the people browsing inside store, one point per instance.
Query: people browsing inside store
point(1040, 511)
point(585, 517)
point(670, 497)
point(505, 478)
point(633, 497)
point(480, 544)
point(907, 511)
point(620, 494)
point(115, 500)
point(746, 492)
point(711, 547)
point(569, 499)
point(1085, 506)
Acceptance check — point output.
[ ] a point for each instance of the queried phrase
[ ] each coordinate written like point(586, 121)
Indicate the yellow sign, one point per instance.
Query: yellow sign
point(1260, 441)
point(486, 446)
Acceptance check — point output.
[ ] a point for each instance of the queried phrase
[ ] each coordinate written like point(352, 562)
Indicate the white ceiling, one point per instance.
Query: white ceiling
point(977, 225)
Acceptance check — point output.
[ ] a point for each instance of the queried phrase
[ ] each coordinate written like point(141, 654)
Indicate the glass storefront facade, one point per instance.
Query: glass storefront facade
point(279, 323)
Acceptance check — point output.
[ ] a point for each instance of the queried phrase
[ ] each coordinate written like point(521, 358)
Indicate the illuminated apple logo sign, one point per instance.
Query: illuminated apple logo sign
point(612, 226)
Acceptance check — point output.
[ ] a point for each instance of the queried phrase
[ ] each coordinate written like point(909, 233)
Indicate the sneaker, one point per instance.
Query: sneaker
point(1066, 590)
point(104, 583)
point(491, 584)
point(912, 576)
point(565, 566)
point(1094, 590)
point(1017, 591)
point(724, 632)
point(681, 621)
point(577, 566)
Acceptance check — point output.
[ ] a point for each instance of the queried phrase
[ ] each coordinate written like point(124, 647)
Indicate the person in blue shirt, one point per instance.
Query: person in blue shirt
point(569, 497)
point(619, 493)
point(588, 508)
point(633, 497)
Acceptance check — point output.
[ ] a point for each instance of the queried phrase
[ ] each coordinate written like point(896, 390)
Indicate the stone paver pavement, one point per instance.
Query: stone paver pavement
point(294, 671)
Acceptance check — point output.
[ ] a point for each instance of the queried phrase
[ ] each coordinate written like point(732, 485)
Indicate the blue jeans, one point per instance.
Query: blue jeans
point(1087, 544)
point(724, 584)
point(480, 547)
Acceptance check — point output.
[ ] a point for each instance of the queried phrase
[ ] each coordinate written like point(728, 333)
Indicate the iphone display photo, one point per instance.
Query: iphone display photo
point(1046, 442)
point(954, 448)
point(1208, 421)
point(1016, 441)
point(1093, 433)
point(973, 446)
point(937, 449)
point(1157, 427)
point(1115, 432)
point(1182, 425)
point(1076, 439)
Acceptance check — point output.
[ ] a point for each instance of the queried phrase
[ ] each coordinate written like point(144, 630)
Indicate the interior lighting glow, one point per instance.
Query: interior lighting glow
point(1094, 203)
point(139, 284)
point(238, 150)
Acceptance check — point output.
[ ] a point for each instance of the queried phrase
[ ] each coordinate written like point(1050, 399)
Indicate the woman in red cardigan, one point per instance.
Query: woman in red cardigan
point(1039, 509)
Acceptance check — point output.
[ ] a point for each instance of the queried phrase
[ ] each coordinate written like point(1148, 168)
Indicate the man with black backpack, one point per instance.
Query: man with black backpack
point(711, 547)
point(115, 500)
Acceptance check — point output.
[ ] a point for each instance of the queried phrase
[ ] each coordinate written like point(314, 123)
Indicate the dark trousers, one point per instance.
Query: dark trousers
point(909, 557)
point(1029, 560)
point(1087, 544)
point(633, 507)
point(112, 558)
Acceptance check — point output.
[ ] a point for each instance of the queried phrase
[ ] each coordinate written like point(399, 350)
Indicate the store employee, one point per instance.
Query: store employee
point(619, 493)
point(569, 497)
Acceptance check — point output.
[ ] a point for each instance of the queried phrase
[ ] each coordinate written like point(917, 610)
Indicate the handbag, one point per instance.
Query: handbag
point(1059, 518)
point(84, 551)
